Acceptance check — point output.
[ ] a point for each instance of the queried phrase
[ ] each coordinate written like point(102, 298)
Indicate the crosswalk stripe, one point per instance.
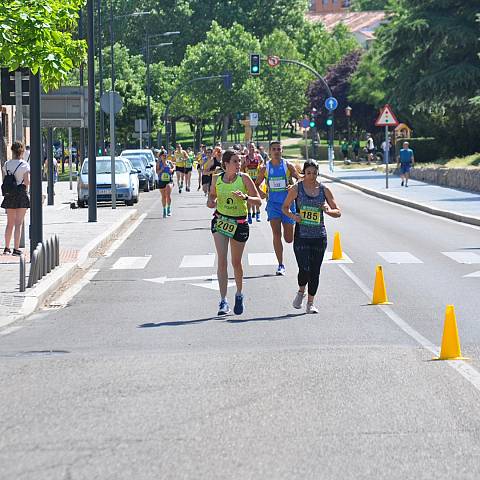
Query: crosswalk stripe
point(257, 259)
point(198, 261)
point(468, 258)
point(131, 263)
point(399, 257)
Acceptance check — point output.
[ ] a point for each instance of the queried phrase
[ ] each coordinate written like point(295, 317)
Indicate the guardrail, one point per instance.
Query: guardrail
point(45, 258)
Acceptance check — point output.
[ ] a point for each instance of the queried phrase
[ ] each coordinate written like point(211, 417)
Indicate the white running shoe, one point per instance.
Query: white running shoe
point(311, 308)
point(223, 308)
point(281, 270)
point(298, 300)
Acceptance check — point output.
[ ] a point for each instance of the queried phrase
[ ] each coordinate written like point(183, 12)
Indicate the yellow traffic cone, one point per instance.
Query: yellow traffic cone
point(379, 290)
point(337, 253)
point(450, 342)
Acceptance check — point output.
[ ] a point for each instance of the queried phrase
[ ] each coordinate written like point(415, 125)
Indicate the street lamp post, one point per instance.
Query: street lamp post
point(100, 74)
point(348, 114)
point(147, 55)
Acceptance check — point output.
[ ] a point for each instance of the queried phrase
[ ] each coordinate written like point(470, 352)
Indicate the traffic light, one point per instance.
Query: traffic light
point(254, 64)
point(312, 123)
point(329, 121)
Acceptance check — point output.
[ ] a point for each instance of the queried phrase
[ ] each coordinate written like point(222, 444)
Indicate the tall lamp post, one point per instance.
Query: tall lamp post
point(147, 55)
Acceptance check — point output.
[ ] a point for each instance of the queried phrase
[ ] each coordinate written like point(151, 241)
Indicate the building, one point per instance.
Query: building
point(362, 25)
point(329, 6)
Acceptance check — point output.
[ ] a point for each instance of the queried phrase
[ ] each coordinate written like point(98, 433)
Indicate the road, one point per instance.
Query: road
point(148, 383)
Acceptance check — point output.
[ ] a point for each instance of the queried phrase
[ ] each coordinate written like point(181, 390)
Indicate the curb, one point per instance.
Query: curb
point(407, 203)
point(37, 295)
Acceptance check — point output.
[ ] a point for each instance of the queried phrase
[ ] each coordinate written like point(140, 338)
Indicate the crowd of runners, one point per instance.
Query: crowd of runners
point(235, 182)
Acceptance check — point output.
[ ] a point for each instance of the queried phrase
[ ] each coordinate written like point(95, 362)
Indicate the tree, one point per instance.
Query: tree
point(365, 5)
point(38, 35)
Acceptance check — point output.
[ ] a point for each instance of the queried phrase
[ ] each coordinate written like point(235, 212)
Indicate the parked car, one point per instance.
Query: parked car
point(145, 175)
point(147, 153)
point(135, 179)
point(126, 181)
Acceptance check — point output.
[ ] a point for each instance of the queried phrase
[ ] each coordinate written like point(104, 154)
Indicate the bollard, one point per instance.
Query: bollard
point(22, 273)
point(33, 269)
point(57, 250)
point(48, 256)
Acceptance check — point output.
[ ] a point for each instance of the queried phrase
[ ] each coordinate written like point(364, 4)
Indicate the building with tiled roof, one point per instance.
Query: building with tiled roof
point(361, 24)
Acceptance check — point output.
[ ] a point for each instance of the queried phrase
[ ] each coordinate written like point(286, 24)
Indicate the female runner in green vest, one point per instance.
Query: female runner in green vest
point(230, 193)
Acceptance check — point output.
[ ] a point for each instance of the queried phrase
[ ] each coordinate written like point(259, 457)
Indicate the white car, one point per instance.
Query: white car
point(135, 180)
point(126, 181)
point(145, 152)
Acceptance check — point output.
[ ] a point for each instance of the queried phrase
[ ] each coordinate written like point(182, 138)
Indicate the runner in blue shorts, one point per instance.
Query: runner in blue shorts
point(406, 160)
point(278, 175)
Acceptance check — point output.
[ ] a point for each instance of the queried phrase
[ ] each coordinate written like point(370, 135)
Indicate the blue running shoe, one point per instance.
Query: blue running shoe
point(238, 308)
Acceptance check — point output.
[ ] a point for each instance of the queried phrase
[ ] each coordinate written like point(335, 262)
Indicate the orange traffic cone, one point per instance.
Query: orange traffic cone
point(379, 290)
point(337, 253)
point(450, 349)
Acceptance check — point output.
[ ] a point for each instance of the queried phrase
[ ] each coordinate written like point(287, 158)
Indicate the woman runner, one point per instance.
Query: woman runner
point(180, 157)
point(313, 199)
point(230, 193)
point(251, 165)
point(165, 171)
point(189, 159)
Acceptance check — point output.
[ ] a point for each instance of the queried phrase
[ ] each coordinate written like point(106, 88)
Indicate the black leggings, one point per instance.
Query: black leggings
point(309, 253)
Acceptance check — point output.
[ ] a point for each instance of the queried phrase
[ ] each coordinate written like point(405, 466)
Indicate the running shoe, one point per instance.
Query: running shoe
point(164, 213)
point(6, 251)
point(16, 253)
point(402, 183)
point(311, 308)
point(257, 217)
point(238, 308)
point(223, 308)
point(187, 189)
point(250, 218)
point(298, 300)
point(179, 190)
point(281, 270)
point(198, 189)
point(169, 211)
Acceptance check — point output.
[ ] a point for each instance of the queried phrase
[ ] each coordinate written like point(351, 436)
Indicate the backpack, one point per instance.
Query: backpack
point(9, 184)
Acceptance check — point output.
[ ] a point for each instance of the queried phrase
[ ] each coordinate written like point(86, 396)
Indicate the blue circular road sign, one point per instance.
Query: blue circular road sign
point(305, 123)
point(331, 103)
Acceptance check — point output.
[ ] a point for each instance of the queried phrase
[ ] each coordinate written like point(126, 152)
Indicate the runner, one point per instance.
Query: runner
point(251, 164)
point(212, 166)
point(180, 157)
point(206, 174)
point(313, 199)
point(189, 159)
point(405, 161)
point(165, 171)
point(230, 193)
point(201, 159)
point(278, 174)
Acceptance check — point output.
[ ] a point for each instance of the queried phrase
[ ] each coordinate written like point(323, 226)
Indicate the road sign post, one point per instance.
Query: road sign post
point(386, 119)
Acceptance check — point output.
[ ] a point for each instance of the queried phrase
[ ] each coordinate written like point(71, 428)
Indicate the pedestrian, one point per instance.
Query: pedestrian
point(356, 149)
point(405, 161)
point(251, 164)
point(180, 157)
point(201, 159)
point(230, 193)
point(370, 148)
point(189, 159)
point(344, 148)
point(278, 175)
point(16, 200)
point(312, 199)
point(165, 169)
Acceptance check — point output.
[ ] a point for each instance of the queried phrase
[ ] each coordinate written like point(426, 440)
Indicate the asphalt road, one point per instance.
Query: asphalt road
point(149, 384)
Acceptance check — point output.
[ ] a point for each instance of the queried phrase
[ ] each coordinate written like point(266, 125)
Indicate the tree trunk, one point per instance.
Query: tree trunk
point(173, 138)
point(226, 121)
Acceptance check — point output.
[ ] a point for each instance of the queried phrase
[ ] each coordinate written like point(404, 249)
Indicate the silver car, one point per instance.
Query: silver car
point(126, 185)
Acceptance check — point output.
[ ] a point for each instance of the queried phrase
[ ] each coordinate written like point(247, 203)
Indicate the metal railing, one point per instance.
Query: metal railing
point(45, 258)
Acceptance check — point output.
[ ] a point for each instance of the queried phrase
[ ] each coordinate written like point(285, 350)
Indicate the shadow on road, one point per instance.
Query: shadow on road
point(265, 319)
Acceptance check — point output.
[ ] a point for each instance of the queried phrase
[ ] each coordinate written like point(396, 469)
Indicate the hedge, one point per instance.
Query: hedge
point(425, 150)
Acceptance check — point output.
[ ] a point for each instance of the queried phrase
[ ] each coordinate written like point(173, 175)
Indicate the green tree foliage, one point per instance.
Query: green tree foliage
point(38, 35)
point(364, 5)
point(322, 49)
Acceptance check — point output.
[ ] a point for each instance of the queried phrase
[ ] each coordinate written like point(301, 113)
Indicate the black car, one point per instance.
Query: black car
point(146, 176)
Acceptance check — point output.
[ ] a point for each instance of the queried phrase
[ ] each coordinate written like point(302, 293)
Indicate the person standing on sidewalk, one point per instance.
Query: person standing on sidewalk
point(278, 174)
point(16, 202)
point(230, 193)
point(406, 160)
point(313, 199)
point(251, 164)
point(370, 148)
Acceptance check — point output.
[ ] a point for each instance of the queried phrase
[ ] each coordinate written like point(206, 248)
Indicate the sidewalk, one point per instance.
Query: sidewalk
point(78, 239)
point(446, 202)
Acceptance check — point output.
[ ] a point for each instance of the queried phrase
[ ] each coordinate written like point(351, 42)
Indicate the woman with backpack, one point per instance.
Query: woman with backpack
point(16, 180)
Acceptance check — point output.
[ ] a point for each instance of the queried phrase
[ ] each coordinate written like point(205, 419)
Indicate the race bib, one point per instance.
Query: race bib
point(165, 177)
point(253, 173)
point(226, 226)
point(277, 184)
point(311, 216)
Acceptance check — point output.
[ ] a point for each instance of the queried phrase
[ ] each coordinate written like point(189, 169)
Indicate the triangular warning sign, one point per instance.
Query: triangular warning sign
point(386, 118)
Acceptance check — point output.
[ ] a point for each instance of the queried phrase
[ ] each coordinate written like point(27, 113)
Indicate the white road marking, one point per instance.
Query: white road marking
point(117, 243)
point(212, 285)
point(467, 371)
point(131, 263)
point(9, 330)
point(468, 258)
point(74, 289)
point(256, 259)
point(473, 275)
point(198, 261)
point(399, 257)
point(328, 258)
point(163, 280)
